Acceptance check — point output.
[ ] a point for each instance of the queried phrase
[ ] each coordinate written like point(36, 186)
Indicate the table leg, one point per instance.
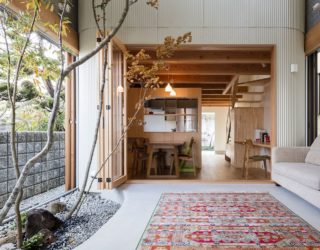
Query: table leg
point(176, 161)
point(150, 161)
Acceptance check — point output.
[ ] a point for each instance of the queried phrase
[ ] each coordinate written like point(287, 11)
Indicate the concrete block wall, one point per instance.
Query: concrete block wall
point(48, 173)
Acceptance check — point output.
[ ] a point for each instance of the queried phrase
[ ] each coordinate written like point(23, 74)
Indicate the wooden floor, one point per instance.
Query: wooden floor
point(215, 168)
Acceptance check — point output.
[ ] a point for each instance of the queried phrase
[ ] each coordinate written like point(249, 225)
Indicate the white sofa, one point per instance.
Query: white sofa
point(298, 170)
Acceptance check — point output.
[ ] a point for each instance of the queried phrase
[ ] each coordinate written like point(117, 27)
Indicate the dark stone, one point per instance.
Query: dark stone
point(278, 185)
point(57, 207)
point(48, 237)
point(39, 219)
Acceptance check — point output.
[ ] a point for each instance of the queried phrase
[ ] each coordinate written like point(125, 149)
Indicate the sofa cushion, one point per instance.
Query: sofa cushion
point(303, 173)
point(313, 156)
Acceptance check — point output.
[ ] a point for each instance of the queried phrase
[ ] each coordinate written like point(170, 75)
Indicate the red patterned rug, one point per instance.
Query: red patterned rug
point(187, 221)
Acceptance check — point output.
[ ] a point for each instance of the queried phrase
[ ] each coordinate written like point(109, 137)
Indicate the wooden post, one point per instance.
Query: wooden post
point(70, 130)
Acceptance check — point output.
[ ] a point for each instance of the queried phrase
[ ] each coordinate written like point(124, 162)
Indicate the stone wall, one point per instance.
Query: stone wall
point(48, 173)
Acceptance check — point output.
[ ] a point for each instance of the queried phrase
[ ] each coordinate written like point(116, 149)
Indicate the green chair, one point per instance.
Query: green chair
point(186, 155)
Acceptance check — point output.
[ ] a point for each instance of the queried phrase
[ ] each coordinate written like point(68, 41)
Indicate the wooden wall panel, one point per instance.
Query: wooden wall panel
point(244, 123)
point(312, 41)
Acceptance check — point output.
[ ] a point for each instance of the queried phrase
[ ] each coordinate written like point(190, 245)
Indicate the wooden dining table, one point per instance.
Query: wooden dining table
point(152, 147)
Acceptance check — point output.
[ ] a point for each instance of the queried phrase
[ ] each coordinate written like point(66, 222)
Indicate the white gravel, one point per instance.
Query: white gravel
point(39, 199)
point(94, 213)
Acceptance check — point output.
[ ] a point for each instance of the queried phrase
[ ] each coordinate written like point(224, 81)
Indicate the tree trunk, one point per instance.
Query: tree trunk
point(31, 162)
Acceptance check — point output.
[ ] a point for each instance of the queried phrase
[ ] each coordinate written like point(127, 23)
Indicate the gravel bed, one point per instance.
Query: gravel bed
point(94, 213)
point(39, 199)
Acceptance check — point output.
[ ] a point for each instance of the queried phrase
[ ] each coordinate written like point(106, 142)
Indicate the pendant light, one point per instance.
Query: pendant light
point(168, 88)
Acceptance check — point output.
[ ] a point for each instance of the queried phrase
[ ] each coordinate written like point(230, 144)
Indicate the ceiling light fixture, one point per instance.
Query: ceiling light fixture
point(168, 88)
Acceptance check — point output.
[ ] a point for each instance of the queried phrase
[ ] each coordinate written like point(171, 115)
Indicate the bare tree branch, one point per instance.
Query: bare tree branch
point(64, 73)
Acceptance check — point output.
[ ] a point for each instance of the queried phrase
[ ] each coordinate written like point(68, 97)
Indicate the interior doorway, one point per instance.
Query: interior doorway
point(208, 131)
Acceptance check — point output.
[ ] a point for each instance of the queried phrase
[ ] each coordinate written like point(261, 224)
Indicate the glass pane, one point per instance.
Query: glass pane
point(117, 114)
point(171, 115)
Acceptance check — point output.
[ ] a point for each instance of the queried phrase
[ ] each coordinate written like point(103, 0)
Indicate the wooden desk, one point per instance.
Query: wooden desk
point(152, 146)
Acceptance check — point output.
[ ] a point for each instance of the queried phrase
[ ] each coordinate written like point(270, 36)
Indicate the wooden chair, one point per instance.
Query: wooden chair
point(140, 155)
point(188, 156)
point(253, 158)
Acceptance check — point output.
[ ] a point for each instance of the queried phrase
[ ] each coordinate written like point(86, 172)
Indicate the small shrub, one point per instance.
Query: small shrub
point(24, 217)
point(35, 242)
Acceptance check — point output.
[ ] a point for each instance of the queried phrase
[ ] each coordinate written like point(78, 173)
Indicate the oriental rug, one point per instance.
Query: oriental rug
point(187, 221)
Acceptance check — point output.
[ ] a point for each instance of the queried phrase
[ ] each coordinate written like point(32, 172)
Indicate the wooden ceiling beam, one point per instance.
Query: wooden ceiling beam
point(211, 92)
point(196, 79)
point(214, 57)
point(217, 69)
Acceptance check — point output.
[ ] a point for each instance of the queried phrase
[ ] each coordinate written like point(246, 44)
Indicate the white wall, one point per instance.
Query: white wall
point(275, 22)
point(221, 114)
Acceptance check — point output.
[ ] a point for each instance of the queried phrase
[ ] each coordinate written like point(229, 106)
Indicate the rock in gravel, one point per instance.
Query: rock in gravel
point(8, 246)
point(38, 219)
point(48, 236)
point(56, 207)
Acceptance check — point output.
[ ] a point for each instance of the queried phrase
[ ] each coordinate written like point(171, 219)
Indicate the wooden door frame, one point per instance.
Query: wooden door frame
point(273, 97)
point(115, 183)
point(106, 128)
point(70, 127)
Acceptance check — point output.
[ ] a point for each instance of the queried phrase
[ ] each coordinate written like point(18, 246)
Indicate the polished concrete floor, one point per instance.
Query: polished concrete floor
point(216, 168)
point(125, 229)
